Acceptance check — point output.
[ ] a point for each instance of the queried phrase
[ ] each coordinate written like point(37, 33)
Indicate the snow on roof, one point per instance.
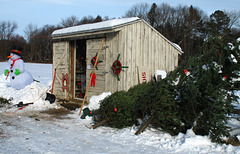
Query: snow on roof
point(177, 46)
point(104, 25)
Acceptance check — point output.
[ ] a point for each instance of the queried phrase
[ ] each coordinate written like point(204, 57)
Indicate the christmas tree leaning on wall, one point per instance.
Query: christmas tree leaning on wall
point(198, 94)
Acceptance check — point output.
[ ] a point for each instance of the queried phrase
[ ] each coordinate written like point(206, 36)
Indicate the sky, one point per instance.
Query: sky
point(51, 12)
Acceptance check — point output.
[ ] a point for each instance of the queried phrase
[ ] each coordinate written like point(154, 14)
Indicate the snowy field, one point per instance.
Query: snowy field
point(48, 128)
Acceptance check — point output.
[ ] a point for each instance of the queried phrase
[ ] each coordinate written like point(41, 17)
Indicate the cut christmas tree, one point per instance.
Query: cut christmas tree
point(199, 94)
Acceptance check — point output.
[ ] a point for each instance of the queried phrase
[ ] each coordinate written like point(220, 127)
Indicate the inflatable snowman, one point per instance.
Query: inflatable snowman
point(19, 77)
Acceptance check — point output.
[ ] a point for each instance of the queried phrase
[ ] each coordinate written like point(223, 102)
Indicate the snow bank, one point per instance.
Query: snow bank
point(35, 92)
point(24, 134)
point(94, 102)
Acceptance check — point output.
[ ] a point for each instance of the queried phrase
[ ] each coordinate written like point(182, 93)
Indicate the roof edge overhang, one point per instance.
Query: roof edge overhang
point(110, 29)
point(86, 35)
point(93, 31)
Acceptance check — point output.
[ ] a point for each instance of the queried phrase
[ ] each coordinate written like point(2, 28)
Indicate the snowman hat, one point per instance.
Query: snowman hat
point(16, 49)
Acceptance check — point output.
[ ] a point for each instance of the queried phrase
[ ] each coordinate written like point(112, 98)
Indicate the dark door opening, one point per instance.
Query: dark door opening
point(80, 69)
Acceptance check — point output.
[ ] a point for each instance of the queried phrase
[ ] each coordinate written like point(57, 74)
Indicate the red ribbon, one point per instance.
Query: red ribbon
point(185, 71)
point(93, 79)
point(17, 51)
point(14, 60)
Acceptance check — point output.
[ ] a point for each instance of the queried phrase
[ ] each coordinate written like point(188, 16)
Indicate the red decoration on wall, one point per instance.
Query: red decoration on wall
point(93, 60)
point(65, 82)
point(93, 79)
point(144, 76)
point(117, 67)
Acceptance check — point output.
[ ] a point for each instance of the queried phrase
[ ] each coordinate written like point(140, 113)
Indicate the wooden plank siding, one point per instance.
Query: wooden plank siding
point(72, 70)
point(62, 64)
point(138, 45)
point(93, 46)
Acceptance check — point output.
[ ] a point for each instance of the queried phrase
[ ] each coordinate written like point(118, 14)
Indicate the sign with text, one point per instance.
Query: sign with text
point(143, 74)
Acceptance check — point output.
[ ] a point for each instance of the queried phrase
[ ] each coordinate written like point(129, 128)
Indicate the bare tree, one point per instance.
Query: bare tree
point(87, 19)
point(164, 13)
point(7, 29)
point(45, 43)
point(234, 18)
point(70, 21)
point(139, 10)
point(30, 31)
point(182, 24)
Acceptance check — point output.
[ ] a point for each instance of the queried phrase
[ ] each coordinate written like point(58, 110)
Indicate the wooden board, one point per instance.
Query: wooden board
point(61, 63)
point(93, 46)
point(143, 74)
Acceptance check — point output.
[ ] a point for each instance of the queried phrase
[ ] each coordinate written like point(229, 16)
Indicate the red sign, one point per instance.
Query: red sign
point(144, 77)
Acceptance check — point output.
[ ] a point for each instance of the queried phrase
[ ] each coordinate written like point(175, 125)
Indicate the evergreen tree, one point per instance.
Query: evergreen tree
point(218, 24)
point(118, 110)
point(199, 94)
point(160, 108)
point(98, 19)
point(205, 96)
point(152, 14)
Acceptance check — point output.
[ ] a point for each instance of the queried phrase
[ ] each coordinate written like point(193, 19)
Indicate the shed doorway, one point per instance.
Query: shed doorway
point(80, 69)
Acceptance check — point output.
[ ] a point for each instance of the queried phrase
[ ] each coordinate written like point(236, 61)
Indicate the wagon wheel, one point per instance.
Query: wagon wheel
point(117, 67)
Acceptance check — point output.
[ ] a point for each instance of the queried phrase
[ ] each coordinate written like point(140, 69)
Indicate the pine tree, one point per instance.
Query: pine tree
point(219, 24)
point(199, 94)
point(205, 96)
point(121, 108)
point(152, 14)
point(118, 110)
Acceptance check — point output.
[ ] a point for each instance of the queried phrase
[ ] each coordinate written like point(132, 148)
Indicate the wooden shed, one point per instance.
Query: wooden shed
point(132, 51)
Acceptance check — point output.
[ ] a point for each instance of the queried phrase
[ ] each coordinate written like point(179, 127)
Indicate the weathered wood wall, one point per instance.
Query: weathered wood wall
point(62, 64)
point(138, 45)
point(93, 46)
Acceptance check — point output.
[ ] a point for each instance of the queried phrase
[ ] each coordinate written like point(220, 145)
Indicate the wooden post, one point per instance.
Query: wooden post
point(91, 75)
point(53, 80)
point(56, 70)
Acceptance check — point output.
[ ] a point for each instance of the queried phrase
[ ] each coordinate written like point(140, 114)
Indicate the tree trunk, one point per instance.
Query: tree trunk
point(144, 126)
point(99, 124)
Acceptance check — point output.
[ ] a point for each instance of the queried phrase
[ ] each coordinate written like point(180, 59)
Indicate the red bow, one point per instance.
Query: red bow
point(93, 79)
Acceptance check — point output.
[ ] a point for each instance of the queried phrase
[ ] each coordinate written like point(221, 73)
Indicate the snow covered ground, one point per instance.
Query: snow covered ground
point(48, 128)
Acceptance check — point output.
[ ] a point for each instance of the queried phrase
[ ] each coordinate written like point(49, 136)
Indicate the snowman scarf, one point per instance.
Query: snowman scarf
point(14, 60)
